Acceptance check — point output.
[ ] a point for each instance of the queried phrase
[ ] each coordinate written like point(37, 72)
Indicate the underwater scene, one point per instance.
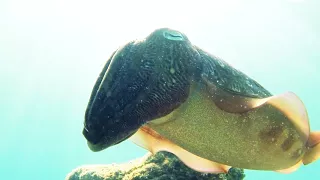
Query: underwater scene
point(206, 89)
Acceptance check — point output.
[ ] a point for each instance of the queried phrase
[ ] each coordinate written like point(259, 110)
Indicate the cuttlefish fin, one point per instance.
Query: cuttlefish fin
point(290, 169)
point(154, 142)
point(288, 103)
point(292, 107)
point(313, 148)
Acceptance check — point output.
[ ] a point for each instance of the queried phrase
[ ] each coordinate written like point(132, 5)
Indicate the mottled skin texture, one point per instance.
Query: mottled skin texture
point(165, 74)
point(136, 86)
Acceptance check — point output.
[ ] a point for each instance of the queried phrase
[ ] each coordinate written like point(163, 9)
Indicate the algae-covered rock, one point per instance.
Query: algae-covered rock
point(161, 166)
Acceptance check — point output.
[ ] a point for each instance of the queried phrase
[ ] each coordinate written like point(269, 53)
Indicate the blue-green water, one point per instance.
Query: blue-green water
point(51, 53)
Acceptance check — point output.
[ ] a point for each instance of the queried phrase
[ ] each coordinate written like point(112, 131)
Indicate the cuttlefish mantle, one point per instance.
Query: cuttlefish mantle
point(166, 94)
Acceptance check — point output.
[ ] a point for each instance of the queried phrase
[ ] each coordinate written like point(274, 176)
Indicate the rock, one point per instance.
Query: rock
point(161, 166)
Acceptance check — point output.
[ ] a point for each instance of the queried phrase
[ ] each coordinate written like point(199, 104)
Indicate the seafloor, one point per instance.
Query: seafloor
point(161, 166)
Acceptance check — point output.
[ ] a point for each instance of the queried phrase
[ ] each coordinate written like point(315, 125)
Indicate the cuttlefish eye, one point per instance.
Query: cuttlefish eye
point(173, 35)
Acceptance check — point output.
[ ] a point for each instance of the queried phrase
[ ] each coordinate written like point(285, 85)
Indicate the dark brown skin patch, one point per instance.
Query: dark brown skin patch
point(271, 135)
point(287, 144)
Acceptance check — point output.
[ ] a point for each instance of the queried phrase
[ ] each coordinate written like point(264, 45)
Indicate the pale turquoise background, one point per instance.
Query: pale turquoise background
point(51, 53)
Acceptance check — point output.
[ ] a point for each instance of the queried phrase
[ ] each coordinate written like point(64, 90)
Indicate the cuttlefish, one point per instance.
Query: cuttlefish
point(166, 94)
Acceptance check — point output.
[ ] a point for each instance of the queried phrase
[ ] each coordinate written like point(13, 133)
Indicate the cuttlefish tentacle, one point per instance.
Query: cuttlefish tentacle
point(154, 142)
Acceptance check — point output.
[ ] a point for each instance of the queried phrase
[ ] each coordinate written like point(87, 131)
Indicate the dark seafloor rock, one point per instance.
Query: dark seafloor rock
point(161, 166)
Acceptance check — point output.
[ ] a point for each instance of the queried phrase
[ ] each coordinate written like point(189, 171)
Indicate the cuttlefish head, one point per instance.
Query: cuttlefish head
point(142, 80)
